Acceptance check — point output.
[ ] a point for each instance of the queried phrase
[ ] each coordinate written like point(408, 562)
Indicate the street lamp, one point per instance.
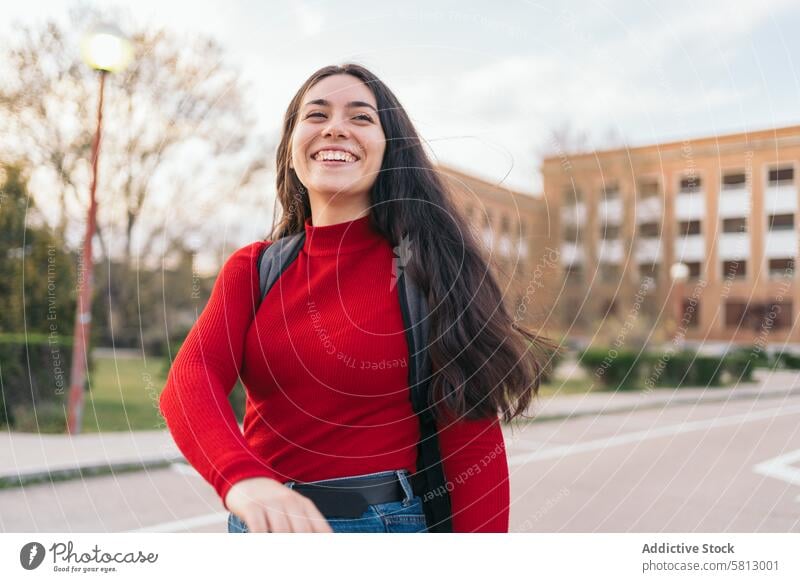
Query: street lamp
point(678, 272)
point(106, 50)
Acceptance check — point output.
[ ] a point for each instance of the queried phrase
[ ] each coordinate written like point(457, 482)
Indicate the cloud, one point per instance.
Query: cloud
point(310, 18)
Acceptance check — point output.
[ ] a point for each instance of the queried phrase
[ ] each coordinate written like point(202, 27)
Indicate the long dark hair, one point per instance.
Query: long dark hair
point(483, 363)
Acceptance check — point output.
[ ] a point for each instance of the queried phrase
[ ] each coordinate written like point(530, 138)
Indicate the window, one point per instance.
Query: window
point(690, 184)
point(505, 224)
point(609, 273)
point(734, 181)
point(571, 196)
point(781, 267)
point(781, 221)
point(609, 231)
point(648, 188)
point(781, 176)
point(611, 190)
point(734, 269)
point(688, 227)
point(573, 273)
point(734, 225)
point(734, 313)
point(610, 308)
point(758, 316)
point(691, 313)
point(694, 269)
point(571, 234)
point(649, 230)
point(646, 270)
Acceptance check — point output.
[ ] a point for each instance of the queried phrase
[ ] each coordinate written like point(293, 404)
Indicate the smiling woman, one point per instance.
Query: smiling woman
point(337, 147)
point(335, 439)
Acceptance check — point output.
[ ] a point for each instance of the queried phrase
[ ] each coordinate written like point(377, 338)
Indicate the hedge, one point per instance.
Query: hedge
point(631, 370)
point(35, 371)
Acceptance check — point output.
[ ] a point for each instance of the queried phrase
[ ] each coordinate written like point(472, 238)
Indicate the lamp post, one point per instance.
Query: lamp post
point(678, 272)
point(106, 50)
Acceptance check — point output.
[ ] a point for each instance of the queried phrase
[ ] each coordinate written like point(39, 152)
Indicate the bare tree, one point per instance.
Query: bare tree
point(177, 133)
point(178, 143)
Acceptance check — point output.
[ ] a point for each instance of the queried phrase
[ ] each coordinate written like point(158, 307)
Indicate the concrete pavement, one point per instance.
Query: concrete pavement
point(27, 458)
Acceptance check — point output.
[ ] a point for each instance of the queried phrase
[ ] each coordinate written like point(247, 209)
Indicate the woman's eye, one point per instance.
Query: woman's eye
point(364, 116)
point(315, 114)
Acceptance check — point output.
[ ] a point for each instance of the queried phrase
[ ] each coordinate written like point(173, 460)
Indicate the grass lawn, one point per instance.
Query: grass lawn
point(571, 386)
point(124, 395)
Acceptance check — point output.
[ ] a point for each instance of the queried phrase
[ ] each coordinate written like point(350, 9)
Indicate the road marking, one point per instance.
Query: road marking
point(184, 469)
point(658, 432)
point(781, 468)
point(182, 525)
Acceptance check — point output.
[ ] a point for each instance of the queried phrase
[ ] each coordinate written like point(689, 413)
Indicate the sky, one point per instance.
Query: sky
point(487, 83)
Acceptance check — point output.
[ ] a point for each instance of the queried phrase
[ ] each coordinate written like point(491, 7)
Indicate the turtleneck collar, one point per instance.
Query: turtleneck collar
point(336, 239)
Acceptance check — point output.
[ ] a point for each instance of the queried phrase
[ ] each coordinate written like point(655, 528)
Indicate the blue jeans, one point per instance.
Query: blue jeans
point(404, 516)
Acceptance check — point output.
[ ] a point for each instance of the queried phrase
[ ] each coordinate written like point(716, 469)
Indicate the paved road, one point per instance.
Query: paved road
point(713, 467)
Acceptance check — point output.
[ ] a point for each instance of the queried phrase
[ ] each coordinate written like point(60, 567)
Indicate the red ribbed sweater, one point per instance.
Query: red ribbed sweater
point(325, 364)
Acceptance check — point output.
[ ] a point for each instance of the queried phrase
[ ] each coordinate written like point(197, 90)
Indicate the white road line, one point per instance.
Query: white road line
point(182, 525)
point(781, 468)
point(527, 445)
point(653, 433)
point(573, 449)
point(184, 469)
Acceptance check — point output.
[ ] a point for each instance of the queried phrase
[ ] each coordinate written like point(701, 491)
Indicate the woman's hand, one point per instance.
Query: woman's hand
point(265, 505)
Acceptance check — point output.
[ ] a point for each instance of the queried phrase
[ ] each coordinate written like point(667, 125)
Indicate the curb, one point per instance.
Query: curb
point(657, 405)
point(81, 471)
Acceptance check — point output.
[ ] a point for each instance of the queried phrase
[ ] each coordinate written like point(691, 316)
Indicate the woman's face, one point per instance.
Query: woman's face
point(338, 142)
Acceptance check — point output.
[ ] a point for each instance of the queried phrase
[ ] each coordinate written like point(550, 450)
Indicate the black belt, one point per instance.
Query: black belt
point(349, 497)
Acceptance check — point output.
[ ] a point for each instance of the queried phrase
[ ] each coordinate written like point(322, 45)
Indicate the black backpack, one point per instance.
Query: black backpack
point(429, 481)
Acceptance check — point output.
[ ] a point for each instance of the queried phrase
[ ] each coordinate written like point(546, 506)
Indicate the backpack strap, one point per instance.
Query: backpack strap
point(430, 470)
point(273, 261)
point(275, 257)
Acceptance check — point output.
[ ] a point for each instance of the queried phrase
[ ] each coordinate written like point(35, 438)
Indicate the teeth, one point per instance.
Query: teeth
point(326, 155)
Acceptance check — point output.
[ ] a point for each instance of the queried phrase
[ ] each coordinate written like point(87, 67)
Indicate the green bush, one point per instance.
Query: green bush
point(36, 374)
point(740, 365)
point(788, 360)
point(615, 369)
point(677, 369)
point(549, 361)
point(628, 369)
point(690, 369)
point(46, 418)
point(707, 371)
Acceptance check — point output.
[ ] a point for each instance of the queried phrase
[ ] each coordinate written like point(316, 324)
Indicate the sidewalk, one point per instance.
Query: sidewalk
point(27, 458)
point(767, 384)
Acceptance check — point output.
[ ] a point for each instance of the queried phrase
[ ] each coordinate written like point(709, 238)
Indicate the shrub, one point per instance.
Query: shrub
point(627, 369)
point(46, 418)
point(707, 371)
point(36, 374)
point(788, 360)
point(740, 365)
point(677, 369)
point(549, 360)
point(615, 369)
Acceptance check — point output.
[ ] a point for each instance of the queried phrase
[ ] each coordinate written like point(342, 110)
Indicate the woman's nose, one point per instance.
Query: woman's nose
point(336, 126)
